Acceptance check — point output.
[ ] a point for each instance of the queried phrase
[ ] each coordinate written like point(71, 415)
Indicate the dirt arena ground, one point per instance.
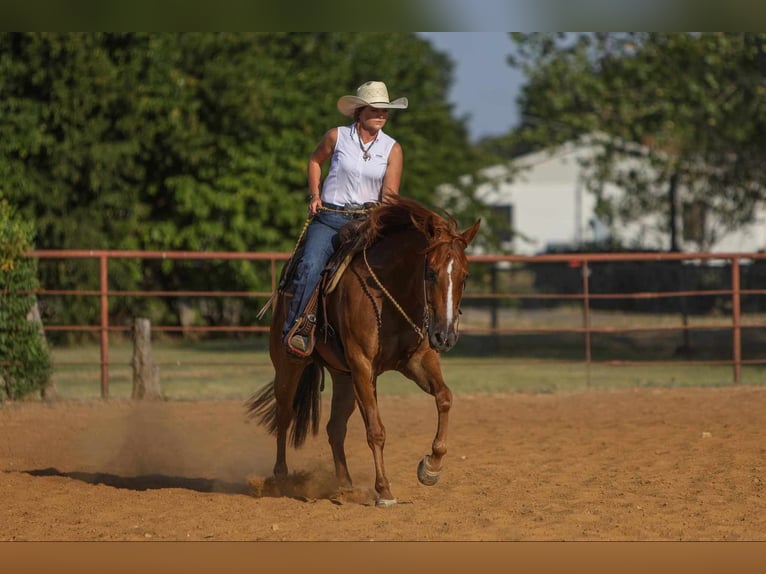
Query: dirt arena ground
point(671, 464)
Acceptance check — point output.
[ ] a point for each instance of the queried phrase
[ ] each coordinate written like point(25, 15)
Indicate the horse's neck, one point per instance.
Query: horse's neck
point(402, 262)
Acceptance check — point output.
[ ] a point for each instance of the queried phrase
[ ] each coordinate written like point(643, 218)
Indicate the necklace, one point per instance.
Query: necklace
point(365, 151)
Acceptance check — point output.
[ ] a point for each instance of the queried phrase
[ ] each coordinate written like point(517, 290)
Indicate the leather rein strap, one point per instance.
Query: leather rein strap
point(426, 316)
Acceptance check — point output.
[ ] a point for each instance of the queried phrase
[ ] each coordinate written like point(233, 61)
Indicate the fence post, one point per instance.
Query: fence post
point(146, 374)
point(735, 320)
point(494, 310)
point(49, 392)
point(104, 290)
point(586, 317)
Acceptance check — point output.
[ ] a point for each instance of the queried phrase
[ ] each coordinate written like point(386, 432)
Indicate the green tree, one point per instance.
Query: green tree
point(69, 154)
point(693, 102)
point(24, 360)
point(196, 141)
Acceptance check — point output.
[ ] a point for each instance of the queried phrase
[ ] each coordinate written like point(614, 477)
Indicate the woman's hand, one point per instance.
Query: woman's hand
point(314, 204)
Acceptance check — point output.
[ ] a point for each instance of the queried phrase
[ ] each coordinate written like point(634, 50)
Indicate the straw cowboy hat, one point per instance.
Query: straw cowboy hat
point(373, 94)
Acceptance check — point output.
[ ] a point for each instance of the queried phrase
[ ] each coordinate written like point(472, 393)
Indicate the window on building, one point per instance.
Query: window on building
point(694, 215)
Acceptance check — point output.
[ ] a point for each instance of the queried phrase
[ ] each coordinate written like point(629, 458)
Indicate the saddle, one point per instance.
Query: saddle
point(302, 336)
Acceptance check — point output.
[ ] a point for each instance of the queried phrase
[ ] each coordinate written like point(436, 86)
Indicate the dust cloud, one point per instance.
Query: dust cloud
point(317, 483)
point(155, 444)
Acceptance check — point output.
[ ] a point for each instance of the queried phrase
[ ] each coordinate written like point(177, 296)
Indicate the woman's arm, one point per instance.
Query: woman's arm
point(393, 172)
point(321, 154)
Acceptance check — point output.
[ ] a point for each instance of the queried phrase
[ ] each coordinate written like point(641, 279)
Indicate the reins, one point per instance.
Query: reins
point(266, 305)
point(417, 329)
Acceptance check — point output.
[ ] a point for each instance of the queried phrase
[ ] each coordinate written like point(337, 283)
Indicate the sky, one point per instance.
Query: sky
point(485, 86)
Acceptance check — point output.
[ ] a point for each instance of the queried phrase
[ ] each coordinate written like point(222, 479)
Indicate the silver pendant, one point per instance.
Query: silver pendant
point(366, 156)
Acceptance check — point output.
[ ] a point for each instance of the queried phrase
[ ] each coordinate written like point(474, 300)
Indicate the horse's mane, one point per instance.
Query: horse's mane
point(401, 213)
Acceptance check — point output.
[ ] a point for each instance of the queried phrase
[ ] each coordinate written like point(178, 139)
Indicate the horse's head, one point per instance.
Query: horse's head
point(446, 269)
point(445, 263)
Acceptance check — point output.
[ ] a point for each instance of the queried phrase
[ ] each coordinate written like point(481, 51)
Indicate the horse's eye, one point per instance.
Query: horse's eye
point(430, 274)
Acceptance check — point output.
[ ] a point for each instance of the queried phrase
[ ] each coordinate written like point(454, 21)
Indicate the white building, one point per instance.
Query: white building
point(544, 196)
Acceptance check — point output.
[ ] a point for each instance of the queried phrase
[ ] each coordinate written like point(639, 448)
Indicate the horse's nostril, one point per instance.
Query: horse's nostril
point(439, 338)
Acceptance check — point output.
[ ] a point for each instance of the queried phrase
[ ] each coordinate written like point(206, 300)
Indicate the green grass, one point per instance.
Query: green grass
point(220, 369)
point(235, 369)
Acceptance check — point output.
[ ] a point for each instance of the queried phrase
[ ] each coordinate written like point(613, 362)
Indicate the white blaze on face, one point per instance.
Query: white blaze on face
point(450, 318)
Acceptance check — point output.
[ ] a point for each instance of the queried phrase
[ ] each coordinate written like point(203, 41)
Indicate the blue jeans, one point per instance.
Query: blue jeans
point(317, 249)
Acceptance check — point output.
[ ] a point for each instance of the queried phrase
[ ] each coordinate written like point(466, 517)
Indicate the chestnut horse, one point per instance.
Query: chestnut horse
point(396, 307)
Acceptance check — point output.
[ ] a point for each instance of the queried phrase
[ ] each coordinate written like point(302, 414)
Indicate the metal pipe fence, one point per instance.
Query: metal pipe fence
point(584, 290)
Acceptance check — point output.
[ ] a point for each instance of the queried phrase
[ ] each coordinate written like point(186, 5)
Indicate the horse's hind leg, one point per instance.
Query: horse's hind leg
point(343, 404)
point(284, 416)
point(286, 380)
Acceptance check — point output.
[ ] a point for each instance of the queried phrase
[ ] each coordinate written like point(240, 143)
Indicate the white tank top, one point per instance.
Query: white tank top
point(351, 178)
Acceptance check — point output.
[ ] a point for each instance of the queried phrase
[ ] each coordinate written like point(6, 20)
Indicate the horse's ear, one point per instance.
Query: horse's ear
point(425, 226)
point(470, 233)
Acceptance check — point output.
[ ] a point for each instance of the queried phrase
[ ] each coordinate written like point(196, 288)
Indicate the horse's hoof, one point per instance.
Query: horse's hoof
point(385, 502)
point(425, 475)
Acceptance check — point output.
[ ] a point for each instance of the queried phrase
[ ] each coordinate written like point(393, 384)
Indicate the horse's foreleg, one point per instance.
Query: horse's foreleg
point(364, 390)
point(343, 404)
point(430, 466)
point(426, 372)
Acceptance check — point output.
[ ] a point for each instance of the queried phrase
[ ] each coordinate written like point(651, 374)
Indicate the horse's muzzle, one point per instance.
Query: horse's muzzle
point(442, 340)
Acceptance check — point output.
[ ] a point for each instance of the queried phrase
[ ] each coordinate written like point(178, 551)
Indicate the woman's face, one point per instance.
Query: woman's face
point(373, 119)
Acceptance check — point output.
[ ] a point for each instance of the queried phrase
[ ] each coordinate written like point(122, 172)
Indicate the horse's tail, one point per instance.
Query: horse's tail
point(263, 406)
point(306, 405)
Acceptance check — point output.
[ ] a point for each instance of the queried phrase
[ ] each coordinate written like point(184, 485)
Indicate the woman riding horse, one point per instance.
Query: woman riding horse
point(396, 307)
point(365, 167)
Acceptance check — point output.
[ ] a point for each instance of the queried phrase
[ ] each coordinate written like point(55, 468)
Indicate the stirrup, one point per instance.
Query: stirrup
point(299, 340)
